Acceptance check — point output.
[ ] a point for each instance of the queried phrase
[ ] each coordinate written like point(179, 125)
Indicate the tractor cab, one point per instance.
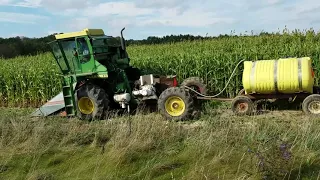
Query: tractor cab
point(91, 57)
point(89, 52)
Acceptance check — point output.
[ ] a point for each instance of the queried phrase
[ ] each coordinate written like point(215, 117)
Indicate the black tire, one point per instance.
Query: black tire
point(181, 95)
point(311, 102)
point(98, 97)
point(196, 83)
point(242, 105)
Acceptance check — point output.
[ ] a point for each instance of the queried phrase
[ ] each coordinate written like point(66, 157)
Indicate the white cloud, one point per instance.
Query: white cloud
point(79, 23)
point(51, 4)
point(21, 3)
point(114, 8)
point(136, 13)
point(272, 2)
point(67, 4)
point(159, 3)
point(172, 16)
point(289, 12)
point(5, 2)
point(20, 18)
point(190, 18)
point(306, 6)
point(29, 3)
point(119, 14)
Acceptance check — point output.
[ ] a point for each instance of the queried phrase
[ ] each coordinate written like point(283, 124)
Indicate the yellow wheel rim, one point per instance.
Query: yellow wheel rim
point(175, 106)
point(85, 105)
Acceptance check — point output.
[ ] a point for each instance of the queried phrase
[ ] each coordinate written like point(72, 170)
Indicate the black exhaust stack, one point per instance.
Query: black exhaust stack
point(123, 43)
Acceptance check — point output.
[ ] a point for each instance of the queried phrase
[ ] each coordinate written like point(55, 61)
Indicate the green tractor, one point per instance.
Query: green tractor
point(97, 78)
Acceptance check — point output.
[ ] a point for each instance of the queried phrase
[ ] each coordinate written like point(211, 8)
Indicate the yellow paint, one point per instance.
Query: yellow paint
point(261, 79)
point(85, 105)
point(174, 106)
point(84, 32)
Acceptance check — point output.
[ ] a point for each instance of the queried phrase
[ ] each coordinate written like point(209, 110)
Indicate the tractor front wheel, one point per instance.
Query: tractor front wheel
point(175, 103)
point(91, 102)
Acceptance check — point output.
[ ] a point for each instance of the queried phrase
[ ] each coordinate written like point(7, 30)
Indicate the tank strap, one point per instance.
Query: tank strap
point(252, 75)
point(275, 75)
point(300, 74)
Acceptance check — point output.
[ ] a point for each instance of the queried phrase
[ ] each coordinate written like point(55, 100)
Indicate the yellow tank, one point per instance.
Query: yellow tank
point(288, 75)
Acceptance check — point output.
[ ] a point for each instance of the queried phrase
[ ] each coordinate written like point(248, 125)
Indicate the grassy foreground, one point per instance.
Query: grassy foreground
point(218, 146)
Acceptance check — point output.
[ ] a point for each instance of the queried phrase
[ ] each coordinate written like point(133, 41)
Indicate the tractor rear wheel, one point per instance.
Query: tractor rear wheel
point(242, 105)
point(175, 103)
point(91, 101)
point(196, 83)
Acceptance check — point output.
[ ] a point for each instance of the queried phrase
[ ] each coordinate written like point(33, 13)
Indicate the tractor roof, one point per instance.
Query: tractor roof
point(84, 32)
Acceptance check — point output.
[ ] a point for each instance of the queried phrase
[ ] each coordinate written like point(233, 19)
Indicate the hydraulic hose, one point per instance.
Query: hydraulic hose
point(232, 74)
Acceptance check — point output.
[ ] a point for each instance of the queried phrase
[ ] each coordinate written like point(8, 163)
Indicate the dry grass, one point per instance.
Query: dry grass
point(217, 146)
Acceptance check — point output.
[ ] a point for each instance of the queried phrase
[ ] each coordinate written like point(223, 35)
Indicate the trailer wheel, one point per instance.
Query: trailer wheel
point(311, 105)
point(176, 104)
point(242, 105)
point(91, 102)
point(196, 84)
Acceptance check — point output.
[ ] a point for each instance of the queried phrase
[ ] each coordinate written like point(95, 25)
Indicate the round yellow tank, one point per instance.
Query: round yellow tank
point(288, 75)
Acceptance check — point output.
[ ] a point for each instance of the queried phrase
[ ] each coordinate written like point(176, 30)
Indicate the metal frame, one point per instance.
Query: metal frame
point(254, 97)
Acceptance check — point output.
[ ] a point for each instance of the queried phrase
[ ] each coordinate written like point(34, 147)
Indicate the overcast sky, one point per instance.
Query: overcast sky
point(143, 18)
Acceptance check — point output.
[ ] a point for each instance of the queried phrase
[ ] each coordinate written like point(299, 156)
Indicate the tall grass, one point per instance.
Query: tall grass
point(32, 80)
point(219, 146)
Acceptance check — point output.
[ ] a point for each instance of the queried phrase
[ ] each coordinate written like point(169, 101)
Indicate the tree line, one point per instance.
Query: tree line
point(17, 46)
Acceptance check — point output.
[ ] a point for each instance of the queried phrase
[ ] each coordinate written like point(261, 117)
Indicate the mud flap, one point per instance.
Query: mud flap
point(52, 106)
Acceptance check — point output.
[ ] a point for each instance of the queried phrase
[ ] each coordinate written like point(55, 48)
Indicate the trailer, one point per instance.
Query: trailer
point(284, 78)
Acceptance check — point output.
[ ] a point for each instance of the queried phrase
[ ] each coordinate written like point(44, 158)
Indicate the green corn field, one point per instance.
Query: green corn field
point(32, 80)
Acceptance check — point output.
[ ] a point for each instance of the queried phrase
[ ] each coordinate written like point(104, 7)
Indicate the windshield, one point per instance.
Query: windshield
point(64, 52)
point(58, 56)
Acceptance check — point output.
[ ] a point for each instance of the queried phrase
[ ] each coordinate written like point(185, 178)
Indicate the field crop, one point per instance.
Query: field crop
point(28, 80)
point(32, 80)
